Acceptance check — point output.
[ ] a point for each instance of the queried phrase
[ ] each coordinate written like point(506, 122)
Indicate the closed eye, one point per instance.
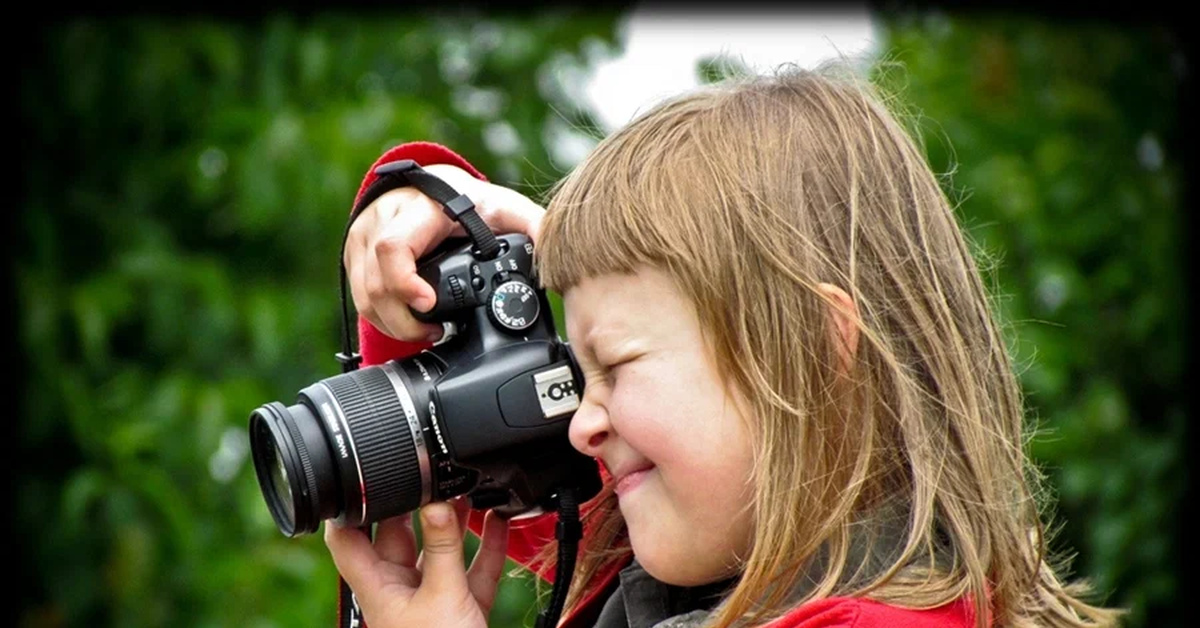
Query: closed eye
point(611, 369)
point(596, 374)
point(601, 374)
point(610, 372)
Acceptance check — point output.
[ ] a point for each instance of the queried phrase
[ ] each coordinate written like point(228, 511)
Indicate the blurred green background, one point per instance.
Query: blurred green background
point(185, 183)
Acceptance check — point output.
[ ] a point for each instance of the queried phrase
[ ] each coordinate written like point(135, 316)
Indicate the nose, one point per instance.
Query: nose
point(589, 428)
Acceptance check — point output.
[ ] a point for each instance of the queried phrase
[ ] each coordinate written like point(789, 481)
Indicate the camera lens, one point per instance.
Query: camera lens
point(351, 448)
point(285, 467)
point(282, 493)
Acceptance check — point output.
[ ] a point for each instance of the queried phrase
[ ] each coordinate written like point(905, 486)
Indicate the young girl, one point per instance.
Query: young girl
point(801, 401)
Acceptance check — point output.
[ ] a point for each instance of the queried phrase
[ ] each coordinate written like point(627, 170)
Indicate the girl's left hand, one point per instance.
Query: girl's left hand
point(396, 588)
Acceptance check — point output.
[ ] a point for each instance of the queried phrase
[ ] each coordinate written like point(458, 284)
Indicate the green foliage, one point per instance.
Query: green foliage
point(1060, 146)
point(187, 184)
point(188, 188)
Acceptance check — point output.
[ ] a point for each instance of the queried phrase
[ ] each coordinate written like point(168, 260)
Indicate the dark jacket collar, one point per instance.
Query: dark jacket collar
point(640, 601)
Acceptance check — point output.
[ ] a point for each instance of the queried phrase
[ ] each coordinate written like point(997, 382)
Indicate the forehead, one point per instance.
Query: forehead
point(599, 302)
point(645, 303)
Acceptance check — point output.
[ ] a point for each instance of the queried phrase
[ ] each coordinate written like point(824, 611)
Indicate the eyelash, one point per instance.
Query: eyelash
point(609, 371)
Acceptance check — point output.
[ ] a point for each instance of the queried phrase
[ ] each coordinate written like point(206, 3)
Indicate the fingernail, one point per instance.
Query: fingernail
point(437, 515)
point(433, 334)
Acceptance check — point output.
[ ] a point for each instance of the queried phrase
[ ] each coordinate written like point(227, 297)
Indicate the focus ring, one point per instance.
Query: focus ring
point(386, 452)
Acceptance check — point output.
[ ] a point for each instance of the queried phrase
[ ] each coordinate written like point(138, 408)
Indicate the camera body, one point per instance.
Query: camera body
point(482, 413)
point(500, 338)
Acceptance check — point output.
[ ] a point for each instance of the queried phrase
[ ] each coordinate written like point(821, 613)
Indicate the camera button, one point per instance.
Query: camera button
point(456, 291)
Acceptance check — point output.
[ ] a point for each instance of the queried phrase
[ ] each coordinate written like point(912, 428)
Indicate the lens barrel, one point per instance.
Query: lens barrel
point(351, 449)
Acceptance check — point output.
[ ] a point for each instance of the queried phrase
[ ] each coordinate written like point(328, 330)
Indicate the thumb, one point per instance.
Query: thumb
point(442, 566)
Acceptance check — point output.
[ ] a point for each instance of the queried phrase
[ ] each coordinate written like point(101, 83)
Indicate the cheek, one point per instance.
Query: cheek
point(641, 406)
point(677, 414)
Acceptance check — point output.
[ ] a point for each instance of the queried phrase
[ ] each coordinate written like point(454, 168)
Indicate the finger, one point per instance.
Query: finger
point(357, 236)
point(355, 262)
point(395, 541)
point(488, 565)
point(442, 552)
point(354, 556)
point(462, 508)
point(396, 315)
point(356, 275)
point(387, 309)
point(398, 285)
point(415, 230)
point(376, 292)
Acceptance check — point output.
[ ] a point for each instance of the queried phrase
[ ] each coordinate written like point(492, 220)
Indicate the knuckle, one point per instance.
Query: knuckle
point(401, 198)
point(375, 287)
point(360, 224)
point(487, 211)
point(442, 545)
point(389, 245)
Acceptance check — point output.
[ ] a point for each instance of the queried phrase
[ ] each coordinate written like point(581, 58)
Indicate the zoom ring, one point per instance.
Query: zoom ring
point(386, 452)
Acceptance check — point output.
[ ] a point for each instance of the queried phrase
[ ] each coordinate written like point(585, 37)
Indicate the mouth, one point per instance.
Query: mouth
point(631, 479)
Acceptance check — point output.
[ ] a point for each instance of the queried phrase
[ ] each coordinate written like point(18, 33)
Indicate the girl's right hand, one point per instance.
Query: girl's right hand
point(401, 226)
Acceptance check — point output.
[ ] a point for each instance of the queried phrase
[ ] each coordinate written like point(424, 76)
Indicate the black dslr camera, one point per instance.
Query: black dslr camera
point(484, 412)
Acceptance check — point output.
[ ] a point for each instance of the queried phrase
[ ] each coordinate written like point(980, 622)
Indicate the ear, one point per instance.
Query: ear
point(845, 330)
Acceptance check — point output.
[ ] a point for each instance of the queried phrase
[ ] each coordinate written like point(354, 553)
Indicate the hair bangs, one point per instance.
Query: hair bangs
point(635, 200)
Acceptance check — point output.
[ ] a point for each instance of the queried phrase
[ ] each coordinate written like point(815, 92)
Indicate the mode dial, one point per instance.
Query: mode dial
point(514, 305)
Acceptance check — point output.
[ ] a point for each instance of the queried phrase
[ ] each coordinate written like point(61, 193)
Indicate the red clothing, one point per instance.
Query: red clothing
point(528, 536)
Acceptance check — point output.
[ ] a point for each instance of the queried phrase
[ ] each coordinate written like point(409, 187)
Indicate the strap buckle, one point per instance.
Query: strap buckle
point(396, 167)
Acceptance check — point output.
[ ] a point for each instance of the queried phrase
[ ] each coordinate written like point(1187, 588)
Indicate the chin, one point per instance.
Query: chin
point(677, 568)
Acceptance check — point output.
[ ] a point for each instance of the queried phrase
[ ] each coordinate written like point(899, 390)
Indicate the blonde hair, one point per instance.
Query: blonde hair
point(749, 193)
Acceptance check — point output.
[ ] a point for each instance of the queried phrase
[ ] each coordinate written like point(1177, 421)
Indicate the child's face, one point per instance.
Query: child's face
point(654, 400)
